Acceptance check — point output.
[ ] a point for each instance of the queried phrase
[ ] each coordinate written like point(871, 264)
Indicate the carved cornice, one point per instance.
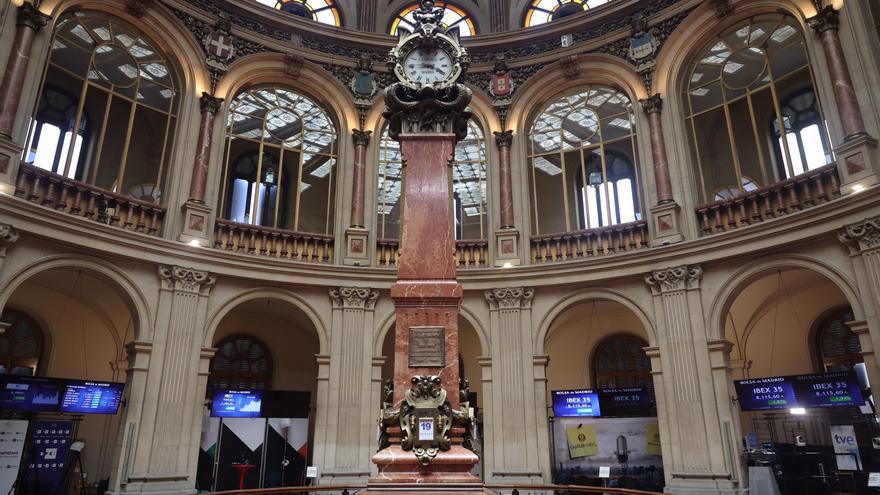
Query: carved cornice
point(828, 19)
point(652, 104)
point(674, 279)
point(862, 236)
point(354, 297)
point(723, 8)
point(361, 138)
point(30, 16)
point(8, 237)
point(503, 139)
point(177, 278)
point(510, 297)
point(210, 103)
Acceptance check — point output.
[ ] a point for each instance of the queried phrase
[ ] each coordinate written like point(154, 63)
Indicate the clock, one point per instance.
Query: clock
point(428, 64)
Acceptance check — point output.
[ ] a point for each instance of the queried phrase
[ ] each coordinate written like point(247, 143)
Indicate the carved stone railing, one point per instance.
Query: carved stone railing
point(581, 244)
point(776, 200)
point(469, 253)
point(83, 200)
point(274, 243)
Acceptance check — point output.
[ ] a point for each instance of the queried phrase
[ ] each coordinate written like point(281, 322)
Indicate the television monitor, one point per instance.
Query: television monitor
point(90, 397)
point(834, 389)
point(237, 404)
point(575, 403)
point(626, 401)
point(30, 394)
point(764, 394)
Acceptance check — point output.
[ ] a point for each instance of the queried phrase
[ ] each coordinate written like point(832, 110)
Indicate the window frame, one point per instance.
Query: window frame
point(39, 334)
point(265, 378)
point(614, 376)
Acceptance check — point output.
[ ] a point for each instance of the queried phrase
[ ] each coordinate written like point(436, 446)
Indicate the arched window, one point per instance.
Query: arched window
point(544, 11)
point(323, 11)
point(469, 206)
point(453, 15)
point(21, 345)
point(744, 86)
point(583, 165)
point(620, 361)
point(280, 162)
point(838, 347)
point(241, 363)
point(112, 85)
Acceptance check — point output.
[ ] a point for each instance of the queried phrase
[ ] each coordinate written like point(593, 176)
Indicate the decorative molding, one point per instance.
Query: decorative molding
point(28, 15)
point(361, 138)
point(828, 19)
point(674, 279)
point(354, 297)
point(510, 297)
point(723, 8)
point(862, 236)
point(8, 237)
point(178, 278)
point(210, 103)
point(293, 64)
point(503, 139)
point(652, 104)
point(138, 8)
point(569, 66)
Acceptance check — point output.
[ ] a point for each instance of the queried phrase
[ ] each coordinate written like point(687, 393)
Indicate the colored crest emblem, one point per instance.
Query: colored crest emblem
point(219, 45)
point(364, 84)
point(501, 85)
point(642, 45)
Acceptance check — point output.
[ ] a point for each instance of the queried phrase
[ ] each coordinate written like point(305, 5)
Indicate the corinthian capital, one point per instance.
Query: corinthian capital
point(862, 236)
point(652, 104)
point(8, 236)
point(674, 279)
point(510, 297)
point(186, 279)
point(210, 103)
point(30, 16)
point(354, 297)
point(828, 19)
point(503, 139)
point(361, 138)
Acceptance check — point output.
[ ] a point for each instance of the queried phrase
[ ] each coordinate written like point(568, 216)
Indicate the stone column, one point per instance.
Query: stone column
point(507, 238)
point(8, 237)
point(352, 423)
point(136, 374)
point(29, 20)
point(169, 426)
point(511, 418)
point(196, 214)
point(323, 412)
point(863, 241)
point(696, 460)
point(357, 236)
point(857, 155)
point(665, 228)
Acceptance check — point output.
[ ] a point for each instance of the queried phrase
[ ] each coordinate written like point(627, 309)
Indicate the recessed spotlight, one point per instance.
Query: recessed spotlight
point(507, 265)
point(798, 411)
point(195, 242)
point(857, 188)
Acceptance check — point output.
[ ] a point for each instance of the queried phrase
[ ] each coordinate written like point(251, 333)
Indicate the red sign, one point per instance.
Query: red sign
point(501, 85)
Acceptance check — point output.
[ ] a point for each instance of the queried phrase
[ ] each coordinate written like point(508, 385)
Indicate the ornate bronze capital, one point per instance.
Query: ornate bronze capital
point(29, 16)
point(827, 19)
point(427, 110)
point(361, 138)
point(210, 103)
point(652, 104)
point(503, 139)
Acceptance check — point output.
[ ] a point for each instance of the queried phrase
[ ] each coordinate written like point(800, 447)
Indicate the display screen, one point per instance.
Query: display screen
point(84, 397)
point(31, 394)
point(575, 403)
point(629, 401)
point(237, 404)
point(785, 392)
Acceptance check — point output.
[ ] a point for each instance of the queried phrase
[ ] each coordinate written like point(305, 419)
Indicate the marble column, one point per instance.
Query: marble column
point(858, 163)
point(507, 238)
point(696, 460)
point(169, 427)
point(863, 241)
point(665, 223)
point(29, 20)
point(351, 437)
point(209, 106)
point(511, 423)
point(357, 236)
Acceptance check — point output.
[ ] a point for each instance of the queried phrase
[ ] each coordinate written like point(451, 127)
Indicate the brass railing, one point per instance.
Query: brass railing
point(506, 489)
point(273, 243)
point(472, 253)
point(776, 200)
point(580, 244)
point(83, 200)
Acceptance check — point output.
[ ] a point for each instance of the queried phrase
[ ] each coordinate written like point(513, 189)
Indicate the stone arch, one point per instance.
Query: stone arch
point(130, 292)
point(222, 309)
point(567, 302)
point(750, 272)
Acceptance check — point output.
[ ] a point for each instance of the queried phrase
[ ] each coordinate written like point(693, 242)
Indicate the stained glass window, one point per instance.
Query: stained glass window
point(544, 11)
point(452, 16)
point(323, 11)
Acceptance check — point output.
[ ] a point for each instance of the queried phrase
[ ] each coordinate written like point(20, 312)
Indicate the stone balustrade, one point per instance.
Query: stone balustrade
point(776, 200)
point(93, 203)
point(469, 253)
point(273, 243)
point(581, 244)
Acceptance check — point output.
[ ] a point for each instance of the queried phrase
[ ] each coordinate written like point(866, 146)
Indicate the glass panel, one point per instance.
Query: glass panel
point(744, 137)
point(145, 152)
point(548, 188)
point(715, 151)
point(114, 141)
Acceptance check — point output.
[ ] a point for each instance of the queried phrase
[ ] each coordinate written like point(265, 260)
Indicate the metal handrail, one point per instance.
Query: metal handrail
point(514, 489)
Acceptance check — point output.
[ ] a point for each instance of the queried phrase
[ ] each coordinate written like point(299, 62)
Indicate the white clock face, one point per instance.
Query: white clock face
point(427, 65)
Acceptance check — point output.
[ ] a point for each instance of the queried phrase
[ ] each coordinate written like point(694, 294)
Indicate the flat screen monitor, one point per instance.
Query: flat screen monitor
point(88, 397)
point(626, 401)
point(237, 404)
point(575, 403)
point(764, 394)
point(30, 394)
point(834, 389)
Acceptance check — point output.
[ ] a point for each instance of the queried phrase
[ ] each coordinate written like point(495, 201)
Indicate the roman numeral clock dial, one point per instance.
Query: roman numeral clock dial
point(427, 65)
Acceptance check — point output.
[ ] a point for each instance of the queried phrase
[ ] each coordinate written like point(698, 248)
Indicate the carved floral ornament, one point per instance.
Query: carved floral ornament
point(8, 236)
point(510, 298)
point(186, 279)
point(354, 297)
point(862, 236)
point(674, 279)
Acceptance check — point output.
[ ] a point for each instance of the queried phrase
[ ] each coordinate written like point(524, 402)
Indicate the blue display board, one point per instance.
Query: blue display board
point(25, 393)
point(50, 443)
point(785, 392)
point(91, 397)
point(237, 404)
point(629, 401)
point(575, 403)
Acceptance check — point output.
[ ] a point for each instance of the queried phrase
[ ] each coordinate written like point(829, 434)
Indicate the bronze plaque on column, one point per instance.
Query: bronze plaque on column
point(427, 347)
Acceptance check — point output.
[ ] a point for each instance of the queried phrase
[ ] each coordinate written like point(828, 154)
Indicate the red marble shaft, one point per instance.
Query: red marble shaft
point(506, 183)
point(13, 78)
point(844, 94)
point(357, 186)
point(658, 155)
point(199, 179)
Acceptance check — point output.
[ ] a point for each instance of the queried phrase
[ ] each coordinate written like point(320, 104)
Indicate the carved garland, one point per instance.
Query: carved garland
point(354, 297)
point(674, 279)
point(186, 279)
